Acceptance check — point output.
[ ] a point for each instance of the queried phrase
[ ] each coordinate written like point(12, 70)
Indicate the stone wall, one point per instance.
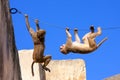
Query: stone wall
point(60, 69)
point(9, 61)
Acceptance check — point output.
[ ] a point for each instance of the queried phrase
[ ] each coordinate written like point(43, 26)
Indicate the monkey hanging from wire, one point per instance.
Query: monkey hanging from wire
point(88, 45)
point(39, 46)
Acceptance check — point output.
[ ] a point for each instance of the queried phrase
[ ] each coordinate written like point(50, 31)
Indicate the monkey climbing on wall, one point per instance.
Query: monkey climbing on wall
point(88, 45)
point(39, 46)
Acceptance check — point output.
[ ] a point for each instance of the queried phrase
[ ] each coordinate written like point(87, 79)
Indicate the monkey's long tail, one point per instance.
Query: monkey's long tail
point(102, 41)
point(32, 68)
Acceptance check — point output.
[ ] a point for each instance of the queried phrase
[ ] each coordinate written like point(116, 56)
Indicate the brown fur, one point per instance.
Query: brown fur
point(39, 46)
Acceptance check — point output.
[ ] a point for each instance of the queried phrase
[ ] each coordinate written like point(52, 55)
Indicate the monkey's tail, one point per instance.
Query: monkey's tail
point(32, 68)
point(102, 41)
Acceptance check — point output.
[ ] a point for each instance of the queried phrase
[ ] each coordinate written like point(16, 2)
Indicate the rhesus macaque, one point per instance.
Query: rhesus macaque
point(39, 46)
point(88, 45)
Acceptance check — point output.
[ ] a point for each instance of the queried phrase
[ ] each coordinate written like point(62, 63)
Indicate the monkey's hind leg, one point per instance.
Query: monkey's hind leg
point(77, 39)
point(47, 59)
point(32, 68)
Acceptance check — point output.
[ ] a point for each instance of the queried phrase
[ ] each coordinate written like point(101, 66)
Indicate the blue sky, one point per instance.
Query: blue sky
point(55, 15)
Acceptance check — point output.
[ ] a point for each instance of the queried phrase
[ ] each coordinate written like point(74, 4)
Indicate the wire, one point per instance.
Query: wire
point(111, 28)
point(14, 11)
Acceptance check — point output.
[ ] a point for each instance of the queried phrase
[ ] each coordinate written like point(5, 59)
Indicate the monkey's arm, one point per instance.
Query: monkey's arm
point(37, 24)
point(99, 32)
point(94, 35)
point(31, 31)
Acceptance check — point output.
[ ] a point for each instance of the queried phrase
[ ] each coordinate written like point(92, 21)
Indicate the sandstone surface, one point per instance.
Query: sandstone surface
point(60, 69)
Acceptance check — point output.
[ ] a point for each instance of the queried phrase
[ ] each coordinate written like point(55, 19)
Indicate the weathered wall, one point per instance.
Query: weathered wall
point(60, 69)
point(9, 62)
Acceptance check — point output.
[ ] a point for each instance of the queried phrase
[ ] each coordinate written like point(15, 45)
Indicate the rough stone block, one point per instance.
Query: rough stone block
point(60, 69)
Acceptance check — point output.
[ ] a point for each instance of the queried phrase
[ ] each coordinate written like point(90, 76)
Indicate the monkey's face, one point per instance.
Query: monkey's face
point(63, 49)
point(41, 33)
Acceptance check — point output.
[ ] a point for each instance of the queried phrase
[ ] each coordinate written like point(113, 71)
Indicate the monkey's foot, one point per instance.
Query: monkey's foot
point(47, 69)
point(67, 29)
point(91, 27)
point(75, 29)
